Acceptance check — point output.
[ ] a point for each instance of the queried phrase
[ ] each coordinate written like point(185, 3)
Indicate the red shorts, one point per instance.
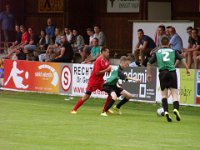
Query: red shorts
point(91, 88)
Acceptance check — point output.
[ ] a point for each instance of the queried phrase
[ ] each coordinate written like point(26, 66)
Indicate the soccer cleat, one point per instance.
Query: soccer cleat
point(117, 110)
point(104, 114)
point(110, 111)
point(73, 112)
point(169, 119)
point(178, 117)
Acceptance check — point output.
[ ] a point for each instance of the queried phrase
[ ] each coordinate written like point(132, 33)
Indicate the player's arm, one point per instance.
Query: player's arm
point(98, 68)
point(104, 71)
point(151, 61)
point(179, 57)
point(125, 77)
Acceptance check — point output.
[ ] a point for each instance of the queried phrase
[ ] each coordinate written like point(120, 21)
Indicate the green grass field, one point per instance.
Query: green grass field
point(31, 121)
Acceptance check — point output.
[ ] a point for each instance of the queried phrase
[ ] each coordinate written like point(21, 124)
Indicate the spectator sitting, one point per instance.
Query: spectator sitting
point(77, 41)
point(176, 42)
point(143, 48)
point(95, 52)
point(17, 38)
point(87, 48)
point(42, 42)
point(167, 31)
point(68, 33)
point(29, 48)
point(99, 35)
point(185, 54)
point(194, 50)
point(39, 55)
point(160, 33)
point(54, 50)
point(66, 53)
point(18, 49)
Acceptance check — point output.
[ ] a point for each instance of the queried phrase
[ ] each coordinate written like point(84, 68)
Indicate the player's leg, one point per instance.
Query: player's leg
point(175, 103)
point(164, 94)
point(80, 102)
point(164, 77)
point(126, 98)
point(173, 89)
point(111, 102)
point(108, 99)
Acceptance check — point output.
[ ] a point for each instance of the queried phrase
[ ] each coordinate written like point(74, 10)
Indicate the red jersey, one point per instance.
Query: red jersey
point(99, 64)
point(25, 37)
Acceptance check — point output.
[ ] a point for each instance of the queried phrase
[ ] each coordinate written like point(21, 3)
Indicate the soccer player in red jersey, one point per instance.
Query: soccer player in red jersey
point(96, 81)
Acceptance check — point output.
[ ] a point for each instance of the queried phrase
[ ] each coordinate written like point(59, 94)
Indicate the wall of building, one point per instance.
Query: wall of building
point(85, 13)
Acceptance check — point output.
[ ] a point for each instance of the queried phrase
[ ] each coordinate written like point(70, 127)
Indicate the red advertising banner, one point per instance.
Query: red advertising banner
point(31, 76)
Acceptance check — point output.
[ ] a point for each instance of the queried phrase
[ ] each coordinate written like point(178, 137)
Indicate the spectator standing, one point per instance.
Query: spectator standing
point(7, 24)
point(50, 34)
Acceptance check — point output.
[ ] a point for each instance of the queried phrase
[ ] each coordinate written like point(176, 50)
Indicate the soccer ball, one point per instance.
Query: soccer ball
point(160, 111)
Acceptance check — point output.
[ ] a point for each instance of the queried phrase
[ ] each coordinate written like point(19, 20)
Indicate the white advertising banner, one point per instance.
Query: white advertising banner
point(123, 6)
point(81, 74)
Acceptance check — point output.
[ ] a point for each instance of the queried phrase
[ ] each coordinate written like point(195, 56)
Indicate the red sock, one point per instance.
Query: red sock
point(78, 104)
point(107, 101)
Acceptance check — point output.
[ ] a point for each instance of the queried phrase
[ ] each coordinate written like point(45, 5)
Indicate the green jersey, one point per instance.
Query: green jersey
point(115, 76)
point(165, 58)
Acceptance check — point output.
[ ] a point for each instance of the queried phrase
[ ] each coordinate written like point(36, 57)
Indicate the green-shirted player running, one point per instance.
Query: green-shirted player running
point(114, 88)
point(165, 58)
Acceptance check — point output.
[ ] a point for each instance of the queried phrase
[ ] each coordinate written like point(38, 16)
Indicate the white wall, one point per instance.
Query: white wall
point(150, 27)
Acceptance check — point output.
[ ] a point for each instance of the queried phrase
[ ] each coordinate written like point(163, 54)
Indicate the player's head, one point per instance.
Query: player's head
point(165, 42)
point(105, 52)
point(125, 61)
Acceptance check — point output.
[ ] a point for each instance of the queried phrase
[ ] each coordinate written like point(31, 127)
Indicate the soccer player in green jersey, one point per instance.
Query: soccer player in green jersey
point(165, 58)
point(114, 88)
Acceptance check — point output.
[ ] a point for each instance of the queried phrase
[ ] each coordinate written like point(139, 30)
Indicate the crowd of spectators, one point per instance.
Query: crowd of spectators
point(61, 45)
point(146, 46)
point(55, 44)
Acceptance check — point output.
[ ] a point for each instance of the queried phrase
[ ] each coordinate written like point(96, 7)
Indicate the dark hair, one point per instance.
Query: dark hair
point(168, 27)
point(189, 28)
point(140, 30)
point(97, 26)
point(165, 41)
point(103, 49)
point(89, 29)
point(162, 27)
point(96, 39)
point(43, 31)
